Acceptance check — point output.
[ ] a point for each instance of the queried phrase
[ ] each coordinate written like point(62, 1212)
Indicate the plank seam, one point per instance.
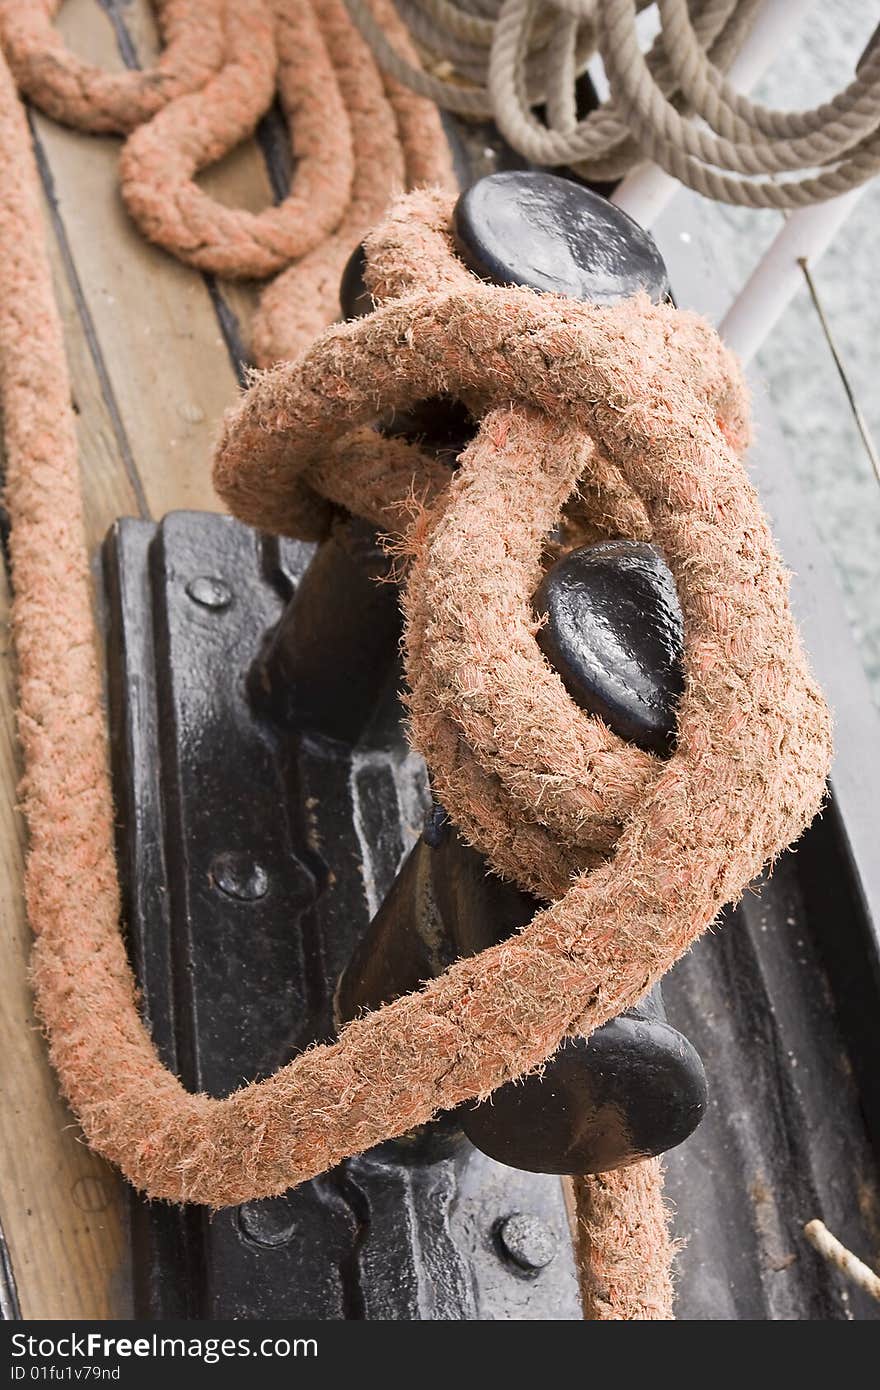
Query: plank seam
point(91, 336)
point(225, 315)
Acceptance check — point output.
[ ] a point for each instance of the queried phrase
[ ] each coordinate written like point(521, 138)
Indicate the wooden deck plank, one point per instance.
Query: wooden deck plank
point(150, 375)
point(239, 180)
point(110, 486)
point(165, 357)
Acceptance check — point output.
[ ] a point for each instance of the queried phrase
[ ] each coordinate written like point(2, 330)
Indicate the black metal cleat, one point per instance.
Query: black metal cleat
point(523, 227)
point(261, 820)
point(615, 633)
point(635, 1088)
point(266, 797)
point(355, 299)
point(343, 616)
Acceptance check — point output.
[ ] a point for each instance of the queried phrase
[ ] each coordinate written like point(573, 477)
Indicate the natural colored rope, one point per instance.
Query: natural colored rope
point(397, 139)
point(72, 91)
point(634, 856)
point(507, 87)
point(355, 143)
point(491, 61)
point(693, 155)
point(356, 139)
point(601, 146)
point(473, 99)
point(626, 1252)
point(836, 1254)
point(160, 159)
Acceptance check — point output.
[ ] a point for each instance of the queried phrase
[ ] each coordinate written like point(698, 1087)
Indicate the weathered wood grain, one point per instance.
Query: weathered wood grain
point(163, 352)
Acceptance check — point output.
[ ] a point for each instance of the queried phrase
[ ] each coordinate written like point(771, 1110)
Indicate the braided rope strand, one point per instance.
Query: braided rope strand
point(267, 44)
point(80, 95)
point(631, 418)
point(736, 156)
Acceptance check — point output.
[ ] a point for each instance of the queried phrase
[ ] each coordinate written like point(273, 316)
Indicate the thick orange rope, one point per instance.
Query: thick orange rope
point(268, 46)
point(357, 139)
point(75, 92)
point(634, 856)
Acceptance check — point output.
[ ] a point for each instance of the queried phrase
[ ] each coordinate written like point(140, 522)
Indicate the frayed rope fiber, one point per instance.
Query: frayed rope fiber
point(624, 419)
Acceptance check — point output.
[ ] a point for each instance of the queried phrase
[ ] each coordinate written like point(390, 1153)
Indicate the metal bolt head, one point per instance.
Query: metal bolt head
point(209, 592)
point(238, 876)
point(270, 1222)
point(526, 1241)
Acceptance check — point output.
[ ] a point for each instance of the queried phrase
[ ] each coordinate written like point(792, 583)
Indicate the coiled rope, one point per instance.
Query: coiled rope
point(73, 91)
point(504, 58)
point(357, 139)
point(634, 856)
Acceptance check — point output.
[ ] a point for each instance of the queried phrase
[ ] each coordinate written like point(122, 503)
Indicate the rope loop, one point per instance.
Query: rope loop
point(267, 43)
point(628, 419)
point(78, 94)
point(504, 58)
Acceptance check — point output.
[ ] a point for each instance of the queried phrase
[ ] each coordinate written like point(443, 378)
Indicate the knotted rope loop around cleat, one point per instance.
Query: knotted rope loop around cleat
point(628, 418)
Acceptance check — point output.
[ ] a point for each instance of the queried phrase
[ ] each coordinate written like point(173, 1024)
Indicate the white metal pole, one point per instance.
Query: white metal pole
point(647, 190)
point(777, 277)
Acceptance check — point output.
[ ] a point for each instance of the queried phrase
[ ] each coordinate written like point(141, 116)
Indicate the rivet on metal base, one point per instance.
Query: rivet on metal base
point(526, 1241)
point(236, 875)
point(209, 592)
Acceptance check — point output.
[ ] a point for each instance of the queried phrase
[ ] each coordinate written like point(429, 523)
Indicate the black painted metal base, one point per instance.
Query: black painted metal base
point(252, 859)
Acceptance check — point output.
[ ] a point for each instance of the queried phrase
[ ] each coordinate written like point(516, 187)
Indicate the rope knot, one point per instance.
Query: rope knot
point(601, 420)
point(616, 421)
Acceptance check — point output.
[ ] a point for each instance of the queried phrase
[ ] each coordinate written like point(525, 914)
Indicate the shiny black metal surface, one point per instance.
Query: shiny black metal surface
point(530, 228)
point(442, 424)
point(355, 299)
point(295, 676)
point(253, 851)
point(614, 631)
point(635, 1088)
point(525, 227)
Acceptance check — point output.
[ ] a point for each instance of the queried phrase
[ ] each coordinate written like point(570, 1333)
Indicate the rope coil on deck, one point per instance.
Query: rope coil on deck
point(357, 139)
point(633, 416)
point(80, 94)
point(504, 58)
